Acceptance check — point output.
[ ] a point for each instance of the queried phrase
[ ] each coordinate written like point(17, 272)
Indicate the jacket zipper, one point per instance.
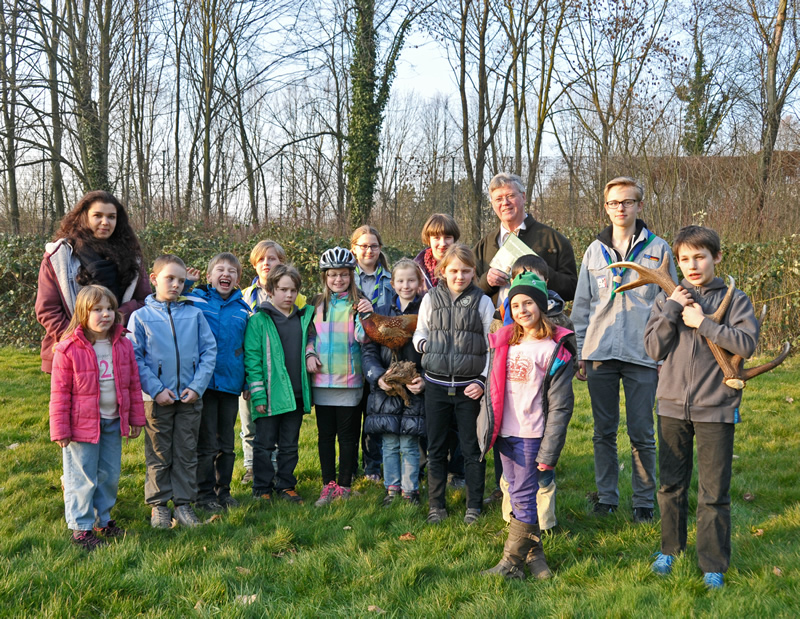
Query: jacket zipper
point(177, 352)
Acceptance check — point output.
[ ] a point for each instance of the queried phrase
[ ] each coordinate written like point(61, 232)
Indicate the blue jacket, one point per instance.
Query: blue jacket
point(175, 348)
point(382, 292)
point(227, 319)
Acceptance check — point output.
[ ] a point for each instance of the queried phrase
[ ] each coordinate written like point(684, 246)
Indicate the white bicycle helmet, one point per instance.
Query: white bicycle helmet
point(337, 258)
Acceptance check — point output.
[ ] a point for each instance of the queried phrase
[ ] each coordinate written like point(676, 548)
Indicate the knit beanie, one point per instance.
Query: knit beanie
point(532, 285)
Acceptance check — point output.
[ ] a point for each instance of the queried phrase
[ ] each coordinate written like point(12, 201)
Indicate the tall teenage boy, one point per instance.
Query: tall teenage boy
point(610, 334)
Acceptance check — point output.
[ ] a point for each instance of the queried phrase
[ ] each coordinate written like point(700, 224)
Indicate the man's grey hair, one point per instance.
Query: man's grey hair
point(504, 178)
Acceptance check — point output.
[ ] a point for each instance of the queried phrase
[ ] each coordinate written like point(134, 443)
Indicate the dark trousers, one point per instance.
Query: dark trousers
point(170, 452)
point(714, 460)
point(215, 456)
point(344, 423)
point(639, 383)
point(440, 410)
point(281, 432)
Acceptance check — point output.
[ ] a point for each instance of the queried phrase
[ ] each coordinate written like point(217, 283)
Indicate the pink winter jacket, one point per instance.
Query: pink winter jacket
point(75, 388)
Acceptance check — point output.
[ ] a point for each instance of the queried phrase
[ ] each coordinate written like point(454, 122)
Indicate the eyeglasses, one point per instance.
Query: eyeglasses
point(368, 247)
point(337, 275)
point(625, 204)
point(509, 197)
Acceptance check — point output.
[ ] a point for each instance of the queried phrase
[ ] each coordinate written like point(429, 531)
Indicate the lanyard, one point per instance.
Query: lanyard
point(631, 257)
point(375, 291)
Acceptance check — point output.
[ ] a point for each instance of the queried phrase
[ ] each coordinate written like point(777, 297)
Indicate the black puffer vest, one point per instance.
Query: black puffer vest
point(456, 343)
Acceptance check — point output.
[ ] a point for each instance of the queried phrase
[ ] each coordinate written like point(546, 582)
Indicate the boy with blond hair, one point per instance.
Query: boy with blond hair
point(226, 313)
point(609, 327)
point(176, 352)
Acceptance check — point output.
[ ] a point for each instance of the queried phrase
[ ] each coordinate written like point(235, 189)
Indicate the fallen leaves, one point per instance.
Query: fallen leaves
point(348, 528)
point(777, 571)
point(13, 446)
point(243, 570)
point(789, 399)
point(246, 600)
point(407, 537)
point(375, 609)
point(749, 496)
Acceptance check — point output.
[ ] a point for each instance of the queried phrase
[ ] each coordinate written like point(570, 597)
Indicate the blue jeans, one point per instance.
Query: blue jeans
point(91, 478)
point(519, 469)
point(400, 462)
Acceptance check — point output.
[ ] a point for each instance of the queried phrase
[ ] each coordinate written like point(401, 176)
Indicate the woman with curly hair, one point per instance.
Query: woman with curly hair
point(94, 245)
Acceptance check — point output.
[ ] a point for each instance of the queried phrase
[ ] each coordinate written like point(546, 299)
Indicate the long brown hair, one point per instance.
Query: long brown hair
point(87, 298)
point(324, 299)
point(546, 329)
point(122, 247)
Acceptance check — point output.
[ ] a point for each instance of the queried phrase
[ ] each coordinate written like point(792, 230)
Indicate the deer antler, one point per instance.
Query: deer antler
point(735, 375)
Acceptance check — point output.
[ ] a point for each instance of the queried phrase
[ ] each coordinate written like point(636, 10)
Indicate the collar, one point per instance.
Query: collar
point(504, 232)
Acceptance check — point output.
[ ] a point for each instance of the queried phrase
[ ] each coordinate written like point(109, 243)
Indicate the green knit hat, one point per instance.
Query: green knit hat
point(532, 285)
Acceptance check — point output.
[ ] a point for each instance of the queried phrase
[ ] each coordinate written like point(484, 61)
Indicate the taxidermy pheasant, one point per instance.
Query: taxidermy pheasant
point(394, 332)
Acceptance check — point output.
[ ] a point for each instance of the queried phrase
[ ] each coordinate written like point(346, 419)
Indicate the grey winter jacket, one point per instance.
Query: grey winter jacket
point(690, 385)
point(611, 326)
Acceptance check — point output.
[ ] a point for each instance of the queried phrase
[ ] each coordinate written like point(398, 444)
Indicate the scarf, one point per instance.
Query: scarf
point(430, 266)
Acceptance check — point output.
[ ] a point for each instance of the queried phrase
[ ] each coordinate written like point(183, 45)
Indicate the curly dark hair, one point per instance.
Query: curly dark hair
point(122, 247)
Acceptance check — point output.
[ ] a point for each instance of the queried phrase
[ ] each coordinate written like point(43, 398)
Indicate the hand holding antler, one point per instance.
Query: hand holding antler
point(735, 375)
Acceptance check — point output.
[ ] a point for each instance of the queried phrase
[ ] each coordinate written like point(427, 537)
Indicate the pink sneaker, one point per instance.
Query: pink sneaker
point(342, 494)
point(330, 491)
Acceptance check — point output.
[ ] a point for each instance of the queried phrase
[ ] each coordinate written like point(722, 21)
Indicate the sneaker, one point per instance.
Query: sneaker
point(160, 517)
point(228, 502)
point(86, 540)
point(186, 517)
point(210, 506)
point(247, 478)
point(389, 498)
point(714, 580)
point(342, 494)
point(264, 498)
point(472, 515)
point(456, 481)
point(494, 497)
point(603, 509)
point(290, 494)
point(329, 492)
point(373, 477)
point(412, 498)
point(110, 530)
point(436, 515)
point(663, 564)
point(642, 514)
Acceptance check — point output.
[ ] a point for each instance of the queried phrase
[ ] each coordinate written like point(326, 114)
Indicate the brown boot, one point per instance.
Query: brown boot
point(519, 541)
point(535, 560)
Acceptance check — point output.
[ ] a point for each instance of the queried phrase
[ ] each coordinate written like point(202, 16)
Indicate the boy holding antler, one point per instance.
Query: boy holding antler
point(695, 401)
point(609, 327)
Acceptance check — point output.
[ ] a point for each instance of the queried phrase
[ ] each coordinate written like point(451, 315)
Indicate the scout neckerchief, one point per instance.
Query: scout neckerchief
point(376, 290)
point(631, 257)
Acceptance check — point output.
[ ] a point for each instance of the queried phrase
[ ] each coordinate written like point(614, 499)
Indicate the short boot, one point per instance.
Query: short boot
point(535, 560)
point(519, 542)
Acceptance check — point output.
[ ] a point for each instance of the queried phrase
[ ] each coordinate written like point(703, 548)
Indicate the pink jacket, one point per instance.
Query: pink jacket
point(75, 388)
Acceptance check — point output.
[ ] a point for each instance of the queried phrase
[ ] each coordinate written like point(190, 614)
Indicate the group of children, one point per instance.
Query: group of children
point(201, 357)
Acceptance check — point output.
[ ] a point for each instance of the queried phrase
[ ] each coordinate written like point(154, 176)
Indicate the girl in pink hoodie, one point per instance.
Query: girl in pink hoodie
point(95, 400)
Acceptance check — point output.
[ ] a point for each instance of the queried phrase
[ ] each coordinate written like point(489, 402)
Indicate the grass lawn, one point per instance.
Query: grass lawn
point(348, 559)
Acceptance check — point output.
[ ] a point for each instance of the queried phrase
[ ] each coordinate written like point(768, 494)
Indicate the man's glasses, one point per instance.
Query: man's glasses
point(625, 204)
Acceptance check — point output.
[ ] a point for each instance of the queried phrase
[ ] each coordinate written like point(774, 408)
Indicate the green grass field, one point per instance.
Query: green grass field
point(347, 559)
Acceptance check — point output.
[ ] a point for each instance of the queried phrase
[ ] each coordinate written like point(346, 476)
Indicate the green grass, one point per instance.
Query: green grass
point(344, 559)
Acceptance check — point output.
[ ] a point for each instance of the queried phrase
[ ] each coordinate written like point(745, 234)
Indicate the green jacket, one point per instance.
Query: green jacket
point(266, 369)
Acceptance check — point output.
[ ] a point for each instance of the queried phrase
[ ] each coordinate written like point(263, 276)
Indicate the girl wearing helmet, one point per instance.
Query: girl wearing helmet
point(333, 356)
